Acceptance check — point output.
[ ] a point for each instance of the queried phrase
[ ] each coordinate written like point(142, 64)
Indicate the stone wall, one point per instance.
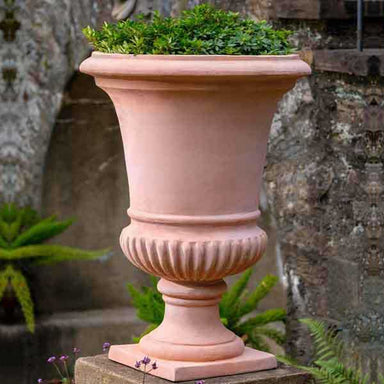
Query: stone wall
point(40, 46)
point(324, 181)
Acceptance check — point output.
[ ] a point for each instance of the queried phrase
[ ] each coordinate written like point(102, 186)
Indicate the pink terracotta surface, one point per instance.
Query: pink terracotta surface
point(250, 361)
point(195, 132)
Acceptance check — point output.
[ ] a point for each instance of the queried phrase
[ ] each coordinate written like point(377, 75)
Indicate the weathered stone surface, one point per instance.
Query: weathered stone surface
point(324, 178)
point(325, 9)
point(100, 370)
point(41, 45)
point(350, 61)
point(24, 356)
point(298, 9)
point(85, 178)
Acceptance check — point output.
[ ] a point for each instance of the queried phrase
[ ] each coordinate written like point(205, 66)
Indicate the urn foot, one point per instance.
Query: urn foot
point(250, 360)
point(192, 343)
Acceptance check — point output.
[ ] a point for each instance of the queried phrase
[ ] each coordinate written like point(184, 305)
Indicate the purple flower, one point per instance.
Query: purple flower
point(200, 382)
point(154, 365)
point(76, 350)
point(39, 381)
point(138, 364)
point(146, 360)
point(63, 357)
point(106, 346)
point(52, 359)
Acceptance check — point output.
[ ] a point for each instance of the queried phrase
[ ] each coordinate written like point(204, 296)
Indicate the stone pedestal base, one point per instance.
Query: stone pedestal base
point(250, 360)
point(101, 370)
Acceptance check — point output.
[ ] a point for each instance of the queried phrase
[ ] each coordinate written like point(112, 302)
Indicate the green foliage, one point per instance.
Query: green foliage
point(22, 231)
point(23, 294)
point(149, 303)
point(236, 303)
point(328, 366)
point(202, 30)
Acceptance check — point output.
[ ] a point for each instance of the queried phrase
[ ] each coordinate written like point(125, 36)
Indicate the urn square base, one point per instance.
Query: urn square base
point(250, 361)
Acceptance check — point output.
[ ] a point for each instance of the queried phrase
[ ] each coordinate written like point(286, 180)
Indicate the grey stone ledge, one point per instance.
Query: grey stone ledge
point(100, 370)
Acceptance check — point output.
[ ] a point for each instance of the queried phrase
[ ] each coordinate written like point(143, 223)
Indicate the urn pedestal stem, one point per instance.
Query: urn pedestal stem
point(191, 329)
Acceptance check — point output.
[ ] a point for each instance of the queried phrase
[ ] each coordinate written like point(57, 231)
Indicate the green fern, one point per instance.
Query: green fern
point(23, 294)
point(49, 254)
point(327, 343)
point(149, 303)
point(22, 231)
point(43, 230)
point(235, 304)
point(328, 365)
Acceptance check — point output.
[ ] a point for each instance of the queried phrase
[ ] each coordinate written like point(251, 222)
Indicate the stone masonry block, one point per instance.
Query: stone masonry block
point(100, 370)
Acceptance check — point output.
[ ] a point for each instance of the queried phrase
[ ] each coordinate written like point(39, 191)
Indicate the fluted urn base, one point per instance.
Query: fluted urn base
point(191, 342)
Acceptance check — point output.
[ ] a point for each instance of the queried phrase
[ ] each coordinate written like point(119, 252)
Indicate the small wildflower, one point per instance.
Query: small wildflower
point(64, 357)
point(199, 382)
point(146, 360)
point(138, 364)
point(76, 350)
point(51, 360)
point(154, 365)
point(106, 346)
point(39, 381)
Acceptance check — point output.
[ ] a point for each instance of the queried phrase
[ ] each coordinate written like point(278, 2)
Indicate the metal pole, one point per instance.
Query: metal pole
point(360, 15)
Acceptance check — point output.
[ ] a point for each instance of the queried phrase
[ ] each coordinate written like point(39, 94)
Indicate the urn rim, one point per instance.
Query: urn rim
point(115, 65)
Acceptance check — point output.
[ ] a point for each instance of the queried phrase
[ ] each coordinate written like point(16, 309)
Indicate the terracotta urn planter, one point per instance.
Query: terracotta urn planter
point(195, 132)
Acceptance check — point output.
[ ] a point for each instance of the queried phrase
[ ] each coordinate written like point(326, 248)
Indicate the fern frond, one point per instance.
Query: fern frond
point(8, 212)
point(9, 230)
point(327, 343)
point(262, 290)
point(40, 232)
point(149, 304)
point(4, 279)
point(230, 302)
point(29, 217)
point(272, 333)
point(338, 369)
point(288, 360)
point(322, 375)
point(50, 254)
point(266, 317)
point(20, 286)
point(3, 243)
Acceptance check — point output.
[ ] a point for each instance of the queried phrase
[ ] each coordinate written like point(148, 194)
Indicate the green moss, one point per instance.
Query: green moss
point(202, 30)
